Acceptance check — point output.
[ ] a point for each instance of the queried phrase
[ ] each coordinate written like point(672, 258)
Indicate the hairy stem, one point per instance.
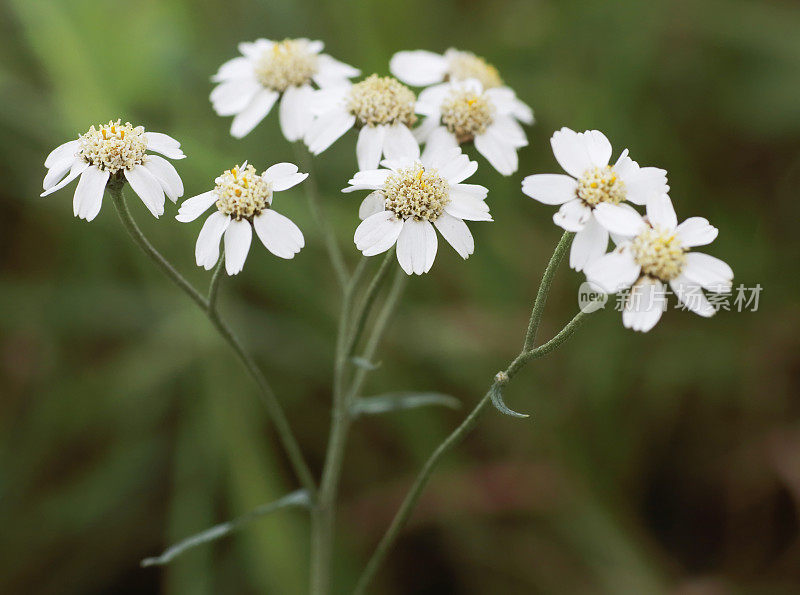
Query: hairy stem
point(268, 398)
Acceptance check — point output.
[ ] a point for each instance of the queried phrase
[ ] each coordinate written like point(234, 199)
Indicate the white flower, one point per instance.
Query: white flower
point(655, 251)
point(593, 195)
point(250, 84)
point(111, 151)
point(422, 68)
point(244, 201)
point(381, 106)
point(463, 111)
point(410, 198)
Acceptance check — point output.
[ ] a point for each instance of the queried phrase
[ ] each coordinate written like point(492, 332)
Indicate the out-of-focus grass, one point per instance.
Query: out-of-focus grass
point(665, 462)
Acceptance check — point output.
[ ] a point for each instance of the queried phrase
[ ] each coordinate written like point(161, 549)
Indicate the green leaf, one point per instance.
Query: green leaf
point(497, 401)
point(299, 498)
point(400, 401)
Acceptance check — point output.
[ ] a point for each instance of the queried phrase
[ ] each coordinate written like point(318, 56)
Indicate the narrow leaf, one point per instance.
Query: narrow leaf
point(299, 498)
point(401, 401)
point(497, 401)
point(362, 362)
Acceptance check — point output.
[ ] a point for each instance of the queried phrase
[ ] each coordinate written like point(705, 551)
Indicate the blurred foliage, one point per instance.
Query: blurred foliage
point(661, 463)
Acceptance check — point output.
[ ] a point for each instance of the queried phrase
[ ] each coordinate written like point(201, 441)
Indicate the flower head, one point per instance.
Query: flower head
point(413, 195)
point(115, 152)
point(655, 251)
point(595, 195)
point(244, 201)
point(422, 68)
point(250, 84)
point(383, 109)
point(465, 111)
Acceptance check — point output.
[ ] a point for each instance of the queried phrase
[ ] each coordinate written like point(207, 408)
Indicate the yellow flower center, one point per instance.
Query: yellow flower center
point(382, 100)
point(659, 253)
point(466, 65)
point(242, 193)
point(467, 114)
point(416, 192)
point(286, 64)
point(114, 146)
point(601, 184)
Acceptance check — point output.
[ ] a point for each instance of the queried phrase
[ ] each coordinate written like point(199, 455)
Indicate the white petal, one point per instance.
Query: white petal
point(509, 130)
point(589, 244)
point(416, 247)
point(374, 203)
point(368, 180)
point(256, 110)
point(438, 141)
point(89, 193)
point(569, 149)
point(457, 234)
point(429, 100)
point(690, 294)
point(498, 151)
point(661, 213)
point(458, 169)
point(710, 272)
point(237, 68)
point(295, 113)
point(399, 143)
point(418, 68)
point(370, 146)
point(473, 190)
point(62, 153)
point(78, 167)
point(644, 184)
point(377, 233)
point(238, 237)
point(231, 97)
point(644, 305)
point(57, 171)
point(206, 251)
point(167, 176)
point(164, 144)
point(332, 72)
point(465, 205)
point(506, 102)
point(573, 215)
point(598, 147)
point(696, 231)
point(550, 189)
point(279, 234)
point(618, 219)
point(614, 271)
point(327, 128)
point(147, 188)
point(193, 207)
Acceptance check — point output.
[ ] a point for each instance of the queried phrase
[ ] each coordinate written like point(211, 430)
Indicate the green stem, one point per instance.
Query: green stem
point(216, 278)
point(268, 397)
point(328, 236)
point(364, 308)
point(456, 436)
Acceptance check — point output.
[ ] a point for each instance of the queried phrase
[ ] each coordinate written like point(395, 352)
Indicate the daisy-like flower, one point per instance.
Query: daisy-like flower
point(465, 111)
point(594, 194)
point(421, 68)
point(244, 201)
point(383, 109)
point(655, 251)
point(110, 152)
point(412, 196)
point(250, 84)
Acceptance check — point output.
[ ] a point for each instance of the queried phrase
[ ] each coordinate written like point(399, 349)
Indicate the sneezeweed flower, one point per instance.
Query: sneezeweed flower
point(594, 194)
point(421, 68)
point(244, 201)
point(465, 111)
point(655, 251)
point(412, 196)
point(380, 106)
point(250, 84)
point(115, 152)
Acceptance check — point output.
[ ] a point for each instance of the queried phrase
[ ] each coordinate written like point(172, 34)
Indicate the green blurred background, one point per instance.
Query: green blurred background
point(663, 463)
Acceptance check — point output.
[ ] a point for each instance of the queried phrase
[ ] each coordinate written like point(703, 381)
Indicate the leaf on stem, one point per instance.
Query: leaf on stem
point(298, 498)
point(389, 402)
point(497, 400)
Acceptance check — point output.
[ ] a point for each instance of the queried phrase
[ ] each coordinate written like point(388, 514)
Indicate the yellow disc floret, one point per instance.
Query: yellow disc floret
point(466, 65)
point(601, 184)
point(286, 63)
point(382, 100)
point(114, 146)
point(242, 193)
point(659, 253)
point(415, 192)
point(466, 113)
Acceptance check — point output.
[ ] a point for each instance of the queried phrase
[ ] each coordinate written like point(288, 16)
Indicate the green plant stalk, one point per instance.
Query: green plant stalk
point(456, 436)
point(268, 398)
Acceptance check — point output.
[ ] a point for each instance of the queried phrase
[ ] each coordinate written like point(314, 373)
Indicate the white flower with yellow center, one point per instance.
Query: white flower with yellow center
point(653, 252)
point(594, 194)
point(464, 111)
point(421, 68)
point(413, 196)
point(115, 152)
point(244, 201)
point(250, 84)
point(380, 106)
